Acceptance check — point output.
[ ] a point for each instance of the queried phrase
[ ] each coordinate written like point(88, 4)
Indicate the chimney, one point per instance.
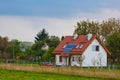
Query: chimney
point(89, 36)
point(75, 36)
point(62, 38)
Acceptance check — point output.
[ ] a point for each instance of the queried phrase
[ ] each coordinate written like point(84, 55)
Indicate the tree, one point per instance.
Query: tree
point(113, 44)
point(38, 45)
point(40, 41)
point(86, 27)
point(50, 55)
point(53, 41)
point(13, 48)
point(37, 49)
point(3, 44)
point(41, 36)
point(109, 27)
point(104, 28)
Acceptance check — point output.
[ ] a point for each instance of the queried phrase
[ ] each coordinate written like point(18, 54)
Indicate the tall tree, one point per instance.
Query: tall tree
point(37, 49)
point(53, 41)
point(14, 48)
point(41, 36)
point(85, 27)
point(104, 28)
point(3, 44)
point(40, 41)
point(49, 56)
point(109, 27)
point(113, 44)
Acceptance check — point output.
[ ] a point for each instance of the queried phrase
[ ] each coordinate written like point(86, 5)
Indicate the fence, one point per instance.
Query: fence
point(20, 61)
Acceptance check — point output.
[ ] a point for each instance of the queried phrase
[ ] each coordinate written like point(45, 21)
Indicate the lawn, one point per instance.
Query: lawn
point(27, 72)
point(31, 75)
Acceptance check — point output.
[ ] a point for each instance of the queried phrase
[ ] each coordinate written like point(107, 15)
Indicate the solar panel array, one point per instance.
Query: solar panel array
point(69, 47)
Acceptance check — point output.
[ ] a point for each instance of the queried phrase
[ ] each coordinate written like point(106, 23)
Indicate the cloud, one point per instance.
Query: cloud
point(110, 13)
point(100, 14)
point(16, 28)
point(25, 28)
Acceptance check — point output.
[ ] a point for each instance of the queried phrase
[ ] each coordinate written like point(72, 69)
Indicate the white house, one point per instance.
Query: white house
point(84, 50)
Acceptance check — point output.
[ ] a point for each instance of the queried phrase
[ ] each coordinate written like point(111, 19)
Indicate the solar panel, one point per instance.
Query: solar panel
point(67, 50)
point(69, 47)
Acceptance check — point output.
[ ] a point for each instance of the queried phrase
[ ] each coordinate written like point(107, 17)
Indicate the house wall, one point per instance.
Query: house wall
point(65, 60)
point(95, 58)
point(57, 59)
point(75, 61)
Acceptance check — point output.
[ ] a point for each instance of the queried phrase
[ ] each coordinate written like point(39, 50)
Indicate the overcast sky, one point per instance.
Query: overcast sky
point(23, 19)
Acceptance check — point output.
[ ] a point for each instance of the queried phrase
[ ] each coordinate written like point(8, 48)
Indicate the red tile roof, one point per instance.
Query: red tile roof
point(80, 40)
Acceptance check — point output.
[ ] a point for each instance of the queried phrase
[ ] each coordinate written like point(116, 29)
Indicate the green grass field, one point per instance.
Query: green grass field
point(28, 75)
point(37, 72)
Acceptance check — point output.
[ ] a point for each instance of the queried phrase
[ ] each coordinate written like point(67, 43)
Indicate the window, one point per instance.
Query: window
point(95, 48)
point(72, 58)
point(81, 46)
point(77, 46)
point(60, 59)
point(64, 45)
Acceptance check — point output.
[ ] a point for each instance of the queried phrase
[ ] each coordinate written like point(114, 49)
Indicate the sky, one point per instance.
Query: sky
point(23, 19)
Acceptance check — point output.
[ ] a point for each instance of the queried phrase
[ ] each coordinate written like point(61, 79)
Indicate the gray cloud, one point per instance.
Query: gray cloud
point(25, 28)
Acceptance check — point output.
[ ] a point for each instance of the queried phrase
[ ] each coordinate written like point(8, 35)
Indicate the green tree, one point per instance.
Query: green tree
point(38, 45)
point(13, 48)
point(53, 41)
point(113, 44)
point(49, 56)
point(86, 27)
point(37, 49)
point(104, 28)
point(41, 36)
point(40, 41)
point(3, 44)
point(110, 26)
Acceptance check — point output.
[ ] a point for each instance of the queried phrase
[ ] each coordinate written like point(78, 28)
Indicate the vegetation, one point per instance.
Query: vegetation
point(3, 44)
point(25, 75)
point(104, 28)
point(113, 43)
point(13, 72)
point(44, 45)
point(14, 50)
